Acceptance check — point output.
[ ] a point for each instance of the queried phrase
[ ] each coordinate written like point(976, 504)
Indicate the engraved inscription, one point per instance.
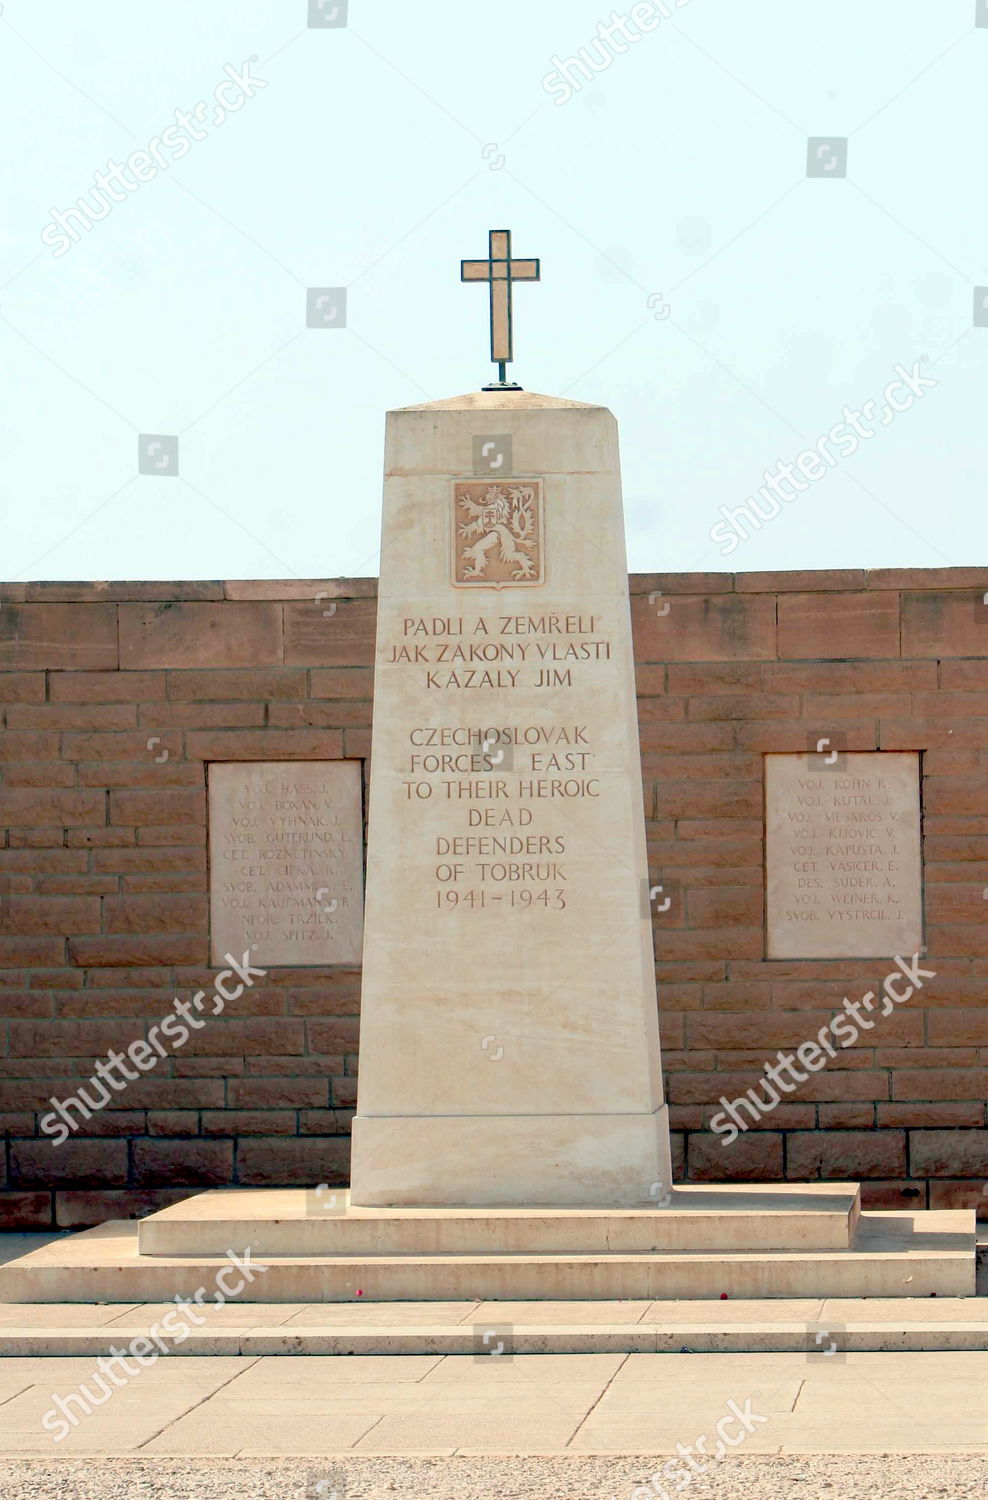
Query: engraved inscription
point(843, 861)
point(286, 861)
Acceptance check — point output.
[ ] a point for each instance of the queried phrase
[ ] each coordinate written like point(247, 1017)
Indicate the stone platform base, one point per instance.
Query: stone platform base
point(705, 1243)
point(489, 1161)
point(820, 1329)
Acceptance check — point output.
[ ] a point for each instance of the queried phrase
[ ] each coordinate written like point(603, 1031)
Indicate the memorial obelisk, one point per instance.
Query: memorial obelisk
point(509, 1050)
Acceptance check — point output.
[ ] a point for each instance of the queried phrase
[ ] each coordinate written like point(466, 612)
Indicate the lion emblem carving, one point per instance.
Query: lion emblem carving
point(498, 533)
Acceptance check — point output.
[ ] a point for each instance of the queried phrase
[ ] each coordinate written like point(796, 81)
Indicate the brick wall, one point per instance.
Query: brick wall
point(116, 696)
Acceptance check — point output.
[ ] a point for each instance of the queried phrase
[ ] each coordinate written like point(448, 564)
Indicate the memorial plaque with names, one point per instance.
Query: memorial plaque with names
point(286, 862)
point(843, 856)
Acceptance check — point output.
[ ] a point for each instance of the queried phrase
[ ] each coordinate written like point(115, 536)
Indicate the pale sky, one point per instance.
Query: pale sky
point(379, 153)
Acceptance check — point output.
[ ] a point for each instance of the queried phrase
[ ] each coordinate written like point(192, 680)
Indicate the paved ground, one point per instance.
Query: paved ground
point(533, 1403)
point(549, 1427)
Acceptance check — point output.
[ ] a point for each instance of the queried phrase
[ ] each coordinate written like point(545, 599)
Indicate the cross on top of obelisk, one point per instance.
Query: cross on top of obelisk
point(501, 272)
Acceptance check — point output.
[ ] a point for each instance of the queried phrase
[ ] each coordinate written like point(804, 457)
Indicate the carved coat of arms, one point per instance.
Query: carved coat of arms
point(497, 533)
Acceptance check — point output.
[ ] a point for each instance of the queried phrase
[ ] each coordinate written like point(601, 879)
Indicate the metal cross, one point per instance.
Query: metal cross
point(501, 271)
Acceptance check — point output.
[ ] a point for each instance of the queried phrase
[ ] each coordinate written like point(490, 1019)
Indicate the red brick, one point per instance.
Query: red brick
point(909, 1116)
point(27, 809)
point(99, 838)
point(189, 862)
point(679, 583)
point(237, 1122)
point(822, 579)
point(79, 1161)
point(815, 626)
point(695, 942)
point(257, 1036)
point(95, 1001)
point(956, 900)
point(719, 627)
point(31, 773)
point(84, 1208)
point(682, 738)
point(342, 682)
point(140, 590)
point(63, 635)
point(960, 1195)
point(726, 799)
point(25, 1210)
point(743, 706)
point(849, 676)
point(334, 715)
point(43, 861)
point(937, 1084)
point(845, 1154)
point(125, 746)
point(692, 854)
point(971, 673)
point(325, 1121)
point(51, 914)
point(197, 635)
point(279, 1093)
point(357, 744)
point(323, 1064)
point(959, 941)
point(715, 677)
point(928, 578)
point(826, 708)
point(73, 716)
point(753, 1157)
point(220, 686)
point(106, 687)
point(89, 1039)
point(344, 639)
point(26, 1005)
point(22, 687)
point(299, 1161)
point(157, 913)
point(952, 762)
point(944, 624)
point(48, 952)
point(136, 808)
point(846, 1116)
point(949, 1153)
point(955, 795)
point(135, 773)
point(265, 744)
point(724, 907)
point(93, 952)
point(775, 736)
point(344, 1092)
point(923, 734)
point(27, 745)
point(176, 1093)
point(900, 1196)
point(302, 588)
point(188, 1163)
point(159, 716)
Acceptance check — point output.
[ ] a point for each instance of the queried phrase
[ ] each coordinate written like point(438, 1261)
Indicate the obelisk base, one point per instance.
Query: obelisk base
point(468, 1161)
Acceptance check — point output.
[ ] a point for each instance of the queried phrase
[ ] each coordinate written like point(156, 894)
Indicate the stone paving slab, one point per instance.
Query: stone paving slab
point(902, 1403)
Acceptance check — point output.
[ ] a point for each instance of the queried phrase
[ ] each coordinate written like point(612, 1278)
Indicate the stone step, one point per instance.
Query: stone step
point(322, 1222)
point(813, 1329)
point(894, 1255)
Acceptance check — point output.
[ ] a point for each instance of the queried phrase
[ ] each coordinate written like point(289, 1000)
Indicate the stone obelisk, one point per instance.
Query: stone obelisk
point(509, 1050)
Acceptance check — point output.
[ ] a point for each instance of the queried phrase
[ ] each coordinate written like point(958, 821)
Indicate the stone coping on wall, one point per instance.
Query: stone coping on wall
point(806, 580)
